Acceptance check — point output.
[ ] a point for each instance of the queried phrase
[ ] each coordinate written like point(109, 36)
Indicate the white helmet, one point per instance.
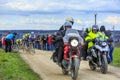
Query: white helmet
point(32, 32)
point(69, 19)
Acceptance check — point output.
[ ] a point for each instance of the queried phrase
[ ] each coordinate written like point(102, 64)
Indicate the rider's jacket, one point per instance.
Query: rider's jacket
point(32, 36)
point(91, 36)
point(73, 33)
point(26, 37)
point(18, 41)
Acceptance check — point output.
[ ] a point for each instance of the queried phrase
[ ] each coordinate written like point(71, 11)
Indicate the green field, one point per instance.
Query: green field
point(116, 57)
point(12, 67)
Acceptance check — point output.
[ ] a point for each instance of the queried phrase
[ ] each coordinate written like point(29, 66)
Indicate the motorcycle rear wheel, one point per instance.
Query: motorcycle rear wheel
point(92, 66)
point(65, 72)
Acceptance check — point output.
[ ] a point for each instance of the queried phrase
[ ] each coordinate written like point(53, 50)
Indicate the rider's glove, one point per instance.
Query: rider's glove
point(94, 40)
point(110, 40)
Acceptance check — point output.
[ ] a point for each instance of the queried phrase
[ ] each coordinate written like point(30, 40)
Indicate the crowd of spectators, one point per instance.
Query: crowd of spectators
point(44, 42)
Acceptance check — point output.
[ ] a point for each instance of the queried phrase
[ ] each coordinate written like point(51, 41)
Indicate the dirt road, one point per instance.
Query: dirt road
point(40, 62)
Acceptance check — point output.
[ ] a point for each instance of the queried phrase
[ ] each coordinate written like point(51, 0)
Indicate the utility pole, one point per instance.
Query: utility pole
point(95, 18)
point(113, 32)
point(113, 28)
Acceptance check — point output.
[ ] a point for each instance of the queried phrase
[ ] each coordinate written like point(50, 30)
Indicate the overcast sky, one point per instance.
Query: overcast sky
point(51, 14)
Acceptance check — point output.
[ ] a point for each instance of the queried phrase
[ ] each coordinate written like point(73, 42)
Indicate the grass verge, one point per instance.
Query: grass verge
point(13, 67)
point(116, 57)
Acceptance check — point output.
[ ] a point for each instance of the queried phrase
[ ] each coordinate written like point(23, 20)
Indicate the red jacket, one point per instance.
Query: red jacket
point(49, 40)
point(3, 41)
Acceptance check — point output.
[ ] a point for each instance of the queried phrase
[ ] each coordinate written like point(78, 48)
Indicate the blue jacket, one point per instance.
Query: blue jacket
point(10, 36)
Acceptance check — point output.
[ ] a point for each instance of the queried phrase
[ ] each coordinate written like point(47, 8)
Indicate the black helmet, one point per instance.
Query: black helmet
point(102, 28)
point(87, 30)
point(15, 33)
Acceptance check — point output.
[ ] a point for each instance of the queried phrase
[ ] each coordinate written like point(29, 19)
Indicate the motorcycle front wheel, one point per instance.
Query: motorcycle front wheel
point(75, 68)
point(104, 65)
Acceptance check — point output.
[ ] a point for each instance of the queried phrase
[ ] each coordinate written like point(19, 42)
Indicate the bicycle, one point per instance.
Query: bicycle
point(31, 48)
point(14, 47)
point(23, 45)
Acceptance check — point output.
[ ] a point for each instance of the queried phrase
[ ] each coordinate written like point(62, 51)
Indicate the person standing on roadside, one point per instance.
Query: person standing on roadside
point(9, 39)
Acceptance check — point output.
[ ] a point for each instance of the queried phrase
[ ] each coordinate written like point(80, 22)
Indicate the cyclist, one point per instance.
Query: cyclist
point(32, 37)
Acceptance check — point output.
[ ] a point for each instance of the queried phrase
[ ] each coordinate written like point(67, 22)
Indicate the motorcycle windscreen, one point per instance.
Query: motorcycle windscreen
point(102, 49)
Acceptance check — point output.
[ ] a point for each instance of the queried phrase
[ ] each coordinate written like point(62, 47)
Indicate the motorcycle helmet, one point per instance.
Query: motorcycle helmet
point(68, 24)
point(102, 28)
point(95, 27)
point(70, 19)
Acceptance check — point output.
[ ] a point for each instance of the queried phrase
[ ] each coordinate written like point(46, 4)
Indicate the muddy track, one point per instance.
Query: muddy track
point(40, 62)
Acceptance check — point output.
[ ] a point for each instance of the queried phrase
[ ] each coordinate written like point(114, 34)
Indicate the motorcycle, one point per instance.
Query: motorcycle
point(72, 65)
point(99, 55)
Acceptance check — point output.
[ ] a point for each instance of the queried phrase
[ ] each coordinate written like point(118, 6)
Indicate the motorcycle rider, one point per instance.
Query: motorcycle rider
point(111, 44)
point(92, 35)
point(90, 39)
point(58, 45)
point(70, 19)
point(69, 32)
point(103, 30)
point(59, 41)
point(110, 41)
point(84, 48)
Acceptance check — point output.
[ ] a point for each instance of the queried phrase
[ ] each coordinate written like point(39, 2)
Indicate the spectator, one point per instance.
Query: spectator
point(111, 45)
point(7, 33)
point(110, 40)
point(3, 41)
point(44, 39)
point(50, 46)
point(9, 39)
point(38, 42)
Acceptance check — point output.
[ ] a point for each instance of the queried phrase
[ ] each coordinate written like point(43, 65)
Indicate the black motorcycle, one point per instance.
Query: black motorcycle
point(99, 55)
